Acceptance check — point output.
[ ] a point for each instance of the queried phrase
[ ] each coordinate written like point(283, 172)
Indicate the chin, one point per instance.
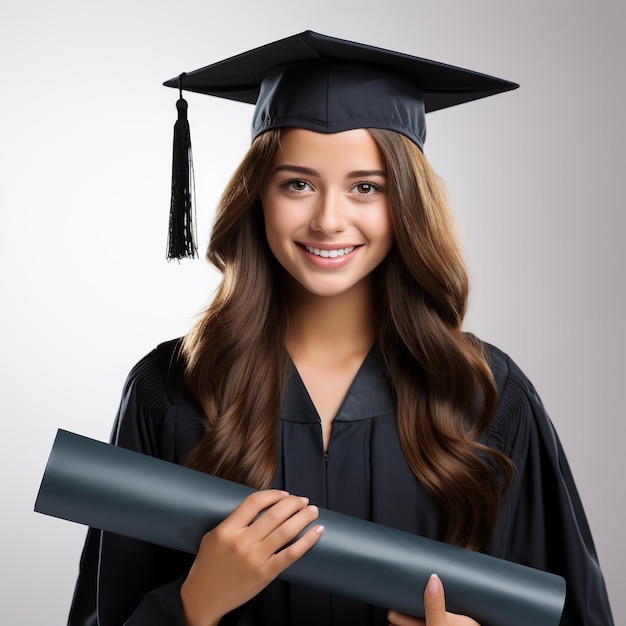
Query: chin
point(327, 289)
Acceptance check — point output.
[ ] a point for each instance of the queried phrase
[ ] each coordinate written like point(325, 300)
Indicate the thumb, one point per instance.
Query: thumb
point(435, 602)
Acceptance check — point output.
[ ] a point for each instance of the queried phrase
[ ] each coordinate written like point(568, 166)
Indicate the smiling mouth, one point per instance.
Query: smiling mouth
point(329, 253)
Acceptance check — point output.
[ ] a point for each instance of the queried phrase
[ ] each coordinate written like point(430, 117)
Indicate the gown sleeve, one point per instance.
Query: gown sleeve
point(122, 580)
point(542, 523)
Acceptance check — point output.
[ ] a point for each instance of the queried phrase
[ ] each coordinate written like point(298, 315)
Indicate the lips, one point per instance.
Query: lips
point(329, 256)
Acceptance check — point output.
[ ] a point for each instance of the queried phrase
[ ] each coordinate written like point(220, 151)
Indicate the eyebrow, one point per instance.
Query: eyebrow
point(311, 172)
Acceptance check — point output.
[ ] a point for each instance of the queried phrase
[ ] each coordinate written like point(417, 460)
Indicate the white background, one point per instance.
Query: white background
point(536, 177)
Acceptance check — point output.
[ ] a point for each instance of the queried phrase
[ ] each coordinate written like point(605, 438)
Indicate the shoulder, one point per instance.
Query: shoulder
point(157, 377)
point(156, 415)
point(505, 371)
point(520, 416)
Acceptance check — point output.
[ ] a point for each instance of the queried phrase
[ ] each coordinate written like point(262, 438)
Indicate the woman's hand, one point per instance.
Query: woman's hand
point(434, 610)
point(242, 555)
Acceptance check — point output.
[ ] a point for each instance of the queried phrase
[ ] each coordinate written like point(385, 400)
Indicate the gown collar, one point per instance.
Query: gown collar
point(369, 395)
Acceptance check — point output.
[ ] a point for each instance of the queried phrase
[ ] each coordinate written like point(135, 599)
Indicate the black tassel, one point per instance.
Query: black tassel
point(182, 237)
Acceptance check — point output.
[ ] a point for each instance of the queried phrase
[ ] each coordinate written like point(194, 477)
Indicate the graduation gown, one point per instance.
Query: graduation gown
point(363, 473)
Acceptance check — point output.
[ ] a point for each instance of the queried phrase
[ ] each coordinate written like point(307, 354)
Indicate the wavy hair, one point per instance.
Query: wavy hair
point(444, 390)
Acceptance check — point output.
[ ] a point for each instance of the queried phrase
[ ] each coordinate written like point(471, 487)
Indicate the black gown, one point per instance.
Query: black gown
point(541, 522)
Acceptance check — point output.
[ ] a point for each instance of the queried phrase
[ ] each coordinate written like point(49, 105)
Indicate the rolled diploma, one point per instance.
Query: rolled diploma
point(139, 496)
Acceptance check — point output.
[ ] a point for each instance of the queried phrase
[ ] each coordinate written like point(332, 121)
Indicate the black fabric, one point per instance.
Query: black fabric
point(311, 81)
point(323, 96)
point(541, 523)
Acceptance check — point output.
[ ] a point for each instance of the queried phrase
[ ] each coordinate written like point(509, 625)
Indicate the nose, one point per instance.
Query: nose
point(330, 214)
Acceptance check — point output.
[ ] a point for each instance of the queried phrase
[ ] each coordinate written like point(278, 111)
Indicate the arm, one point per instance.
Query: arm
point(542, 522)
point(139, 584)
point(116, 573)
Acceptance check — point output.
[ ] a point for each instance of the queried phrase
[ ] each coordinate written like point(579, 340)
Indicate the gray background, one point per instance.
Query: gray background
point(535, 176)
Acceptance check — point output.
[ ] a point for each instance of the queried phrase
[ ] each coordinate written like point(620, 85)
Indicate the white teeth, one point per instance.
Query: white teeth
point(330, 253)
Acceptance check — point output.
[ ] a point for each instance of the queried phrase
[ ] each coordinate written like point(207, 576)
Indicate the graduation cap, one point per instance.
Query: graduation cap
point(323, 84)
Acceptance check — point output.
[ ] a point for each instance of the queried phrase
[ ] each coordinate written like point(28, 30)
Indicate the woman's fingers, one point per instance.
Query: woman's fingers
point(435, 603)
point(283, 559)
point(272, 515)
point(283, 515)
point(256, 502)
point(434, 610)
point(400, 619)
point(270, 528)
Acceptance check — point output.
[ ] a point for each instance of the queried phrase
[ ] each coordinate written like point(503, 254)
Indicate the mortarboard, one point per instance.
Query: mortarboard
point(323, 84)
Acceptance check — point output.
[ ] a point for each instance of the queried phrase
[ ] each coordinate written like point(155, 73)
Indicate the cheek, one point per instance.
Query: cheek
point(381, 230)
point(270, 218)
point(277, 228)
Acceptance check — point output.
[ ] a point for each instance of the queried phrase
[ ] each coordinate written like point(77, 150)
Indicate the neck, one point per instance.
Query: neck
point(334, 326)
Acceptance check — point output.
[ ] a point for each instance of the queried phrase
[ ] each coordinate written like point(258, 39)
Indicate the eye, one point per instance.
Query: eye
point(296, 185)
point(366, 188)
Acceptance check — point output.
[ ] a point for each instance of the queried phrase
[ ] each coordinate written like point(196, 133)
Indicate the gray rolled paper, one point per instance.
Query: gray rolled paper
point(135, 495)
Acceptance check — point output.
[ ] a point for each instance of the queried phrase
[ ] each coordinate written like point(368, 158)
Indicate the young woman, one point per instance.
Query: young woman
point(331, 369)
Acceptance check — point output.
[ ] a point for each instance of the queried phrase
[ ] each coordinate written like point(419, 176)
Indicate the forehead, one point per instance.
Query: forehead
point(350, 149)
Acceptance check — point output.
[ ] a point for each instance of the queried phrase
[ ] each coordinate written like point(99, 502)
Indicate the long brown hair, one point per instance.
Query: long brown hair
point(236, 363)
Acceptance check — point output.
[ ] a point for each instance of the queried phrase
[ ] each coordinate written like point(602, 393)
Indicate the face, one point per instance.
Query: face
point(326, 209)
